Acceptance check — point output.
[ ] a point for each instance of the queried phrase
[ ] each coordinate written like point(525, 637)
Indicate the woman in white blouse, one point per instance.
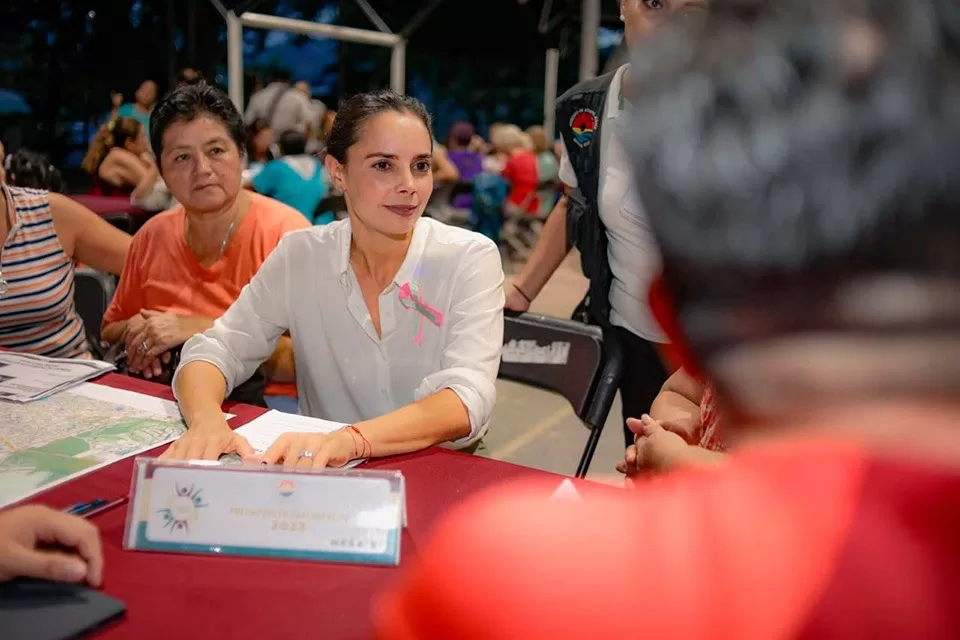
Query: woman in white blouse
point(396, 320)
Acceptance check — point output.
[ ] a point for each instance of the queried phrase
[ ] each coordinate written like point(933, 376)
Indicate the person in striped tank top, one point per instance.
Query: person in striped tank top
point(44, 234)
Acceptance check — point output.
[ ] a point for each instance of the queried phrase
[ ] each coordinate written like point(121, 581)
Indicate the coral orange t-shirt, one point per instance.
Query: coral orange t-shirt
point(161, 273)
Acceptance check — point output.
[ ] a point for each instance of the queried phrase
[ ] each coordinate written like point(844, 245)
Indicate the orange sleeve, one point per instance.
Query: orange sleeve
point(739, 551)
point(128, 298)
point(286, 219)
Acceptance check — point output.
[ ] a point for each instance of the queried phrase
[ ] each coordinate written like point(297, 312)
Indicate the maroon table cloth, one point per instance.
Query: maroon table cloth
point(108, 205)
point(172, 596)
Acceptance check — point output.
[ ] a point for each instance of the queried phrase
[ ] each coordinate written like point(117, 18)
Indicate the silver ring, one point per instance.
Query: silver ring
point(144, 346)
point(306, 454)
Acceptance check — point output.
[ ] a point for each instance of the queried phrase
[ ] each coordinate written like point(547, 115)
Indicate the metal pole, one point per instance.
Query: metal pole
point(550, 93)
point(172, 45)
point(235, 59)
point(589, 25)
point(346, 34)
point(398, 64)
point(374, 16)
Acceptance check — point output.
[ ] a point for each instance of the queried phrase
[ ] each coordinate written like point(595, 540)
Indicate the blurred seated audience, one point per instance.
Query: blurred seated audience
point(259, 147)
point(188, 265)
point(520, 170)
point(188, 75)
point(814, 277)
point(32, 170)
point(548, 166)
point(495, 159)
point(444, 171)
point(45, 233)
point(467, 159)
point(143, 100)
point(118, 157)
point(152, 194)
point(295, 178)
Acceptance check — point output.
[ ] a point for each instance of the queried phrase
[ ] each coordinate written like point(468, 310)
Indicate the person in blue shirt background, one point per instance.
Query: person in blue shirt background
point(140, 109)
point(295, 178)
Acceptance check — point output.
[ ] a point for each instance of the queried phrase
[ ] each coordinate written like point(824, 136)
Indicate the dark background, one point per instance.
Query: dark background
point(481, 61)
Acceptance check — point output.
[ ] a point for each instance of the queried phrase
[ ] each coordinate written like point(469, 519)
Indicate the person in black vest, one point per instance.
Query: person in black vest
point(602, 216)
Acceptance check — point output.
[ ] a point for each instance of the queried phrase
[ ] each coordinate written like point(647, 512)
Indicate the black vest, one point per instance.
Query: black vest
point(580, 116)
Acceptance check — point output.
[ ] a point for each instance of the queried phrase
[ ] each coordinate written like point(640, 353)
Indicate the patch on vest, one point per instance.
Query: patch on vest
point(583, 124)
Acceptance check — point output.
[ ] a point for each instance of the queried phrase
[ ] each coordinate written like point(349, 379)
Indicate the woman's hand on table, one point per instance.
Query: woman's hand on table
point(29, 541)
point(304, 451)
point(207, 440)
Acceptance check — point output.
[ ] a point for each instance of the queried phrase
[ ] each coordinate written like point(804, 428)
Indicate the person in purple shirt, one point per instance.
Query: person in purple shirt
point(468, 161)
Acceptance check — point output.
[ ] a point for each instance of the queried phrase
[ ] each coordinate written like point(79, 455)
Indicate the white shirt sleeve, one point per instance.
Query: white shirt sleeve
point(246, 335)
point(471, 355)
point(567, 174)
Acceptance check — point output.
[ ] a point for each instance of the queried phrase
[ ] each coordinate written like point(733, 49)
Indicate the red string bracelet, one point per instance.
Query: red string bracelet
point(366, 451)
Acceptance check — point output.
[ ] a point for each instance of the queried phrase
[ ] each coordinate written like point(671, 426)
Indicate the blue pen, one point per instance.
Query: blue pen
point(82, 507)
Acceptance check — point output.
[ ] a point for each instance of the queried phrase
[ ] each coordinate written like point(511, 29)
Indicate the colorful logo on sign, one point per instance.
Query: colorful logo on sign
point(183, 509)
point(583, 124)
point(286, 488)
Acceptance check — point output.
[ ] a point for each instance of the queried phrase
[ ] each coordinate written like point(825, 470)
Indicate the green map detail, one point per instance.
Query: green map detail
point(66, 447)
point(46, 442)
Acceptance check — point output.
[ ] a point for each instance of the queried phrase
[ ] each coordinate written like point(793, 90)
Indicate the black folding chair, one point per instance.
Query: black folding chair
point(122, 221)
point(93, 291)
point(578, 361)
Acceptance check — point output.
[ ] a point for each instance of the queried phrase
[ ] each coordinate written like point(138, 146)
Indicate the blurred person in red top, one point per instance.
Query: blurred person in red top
point(799, 163)
point(520, 170)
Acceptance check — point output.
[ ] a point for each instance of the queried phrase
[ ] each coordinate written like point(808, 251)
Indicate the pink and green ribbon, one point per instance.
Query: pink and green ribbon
point(411, 298)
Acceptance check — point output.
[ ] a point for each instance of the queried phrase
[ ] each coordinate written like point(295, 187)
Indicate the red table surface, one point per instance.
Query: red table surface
point(108, 205)
point(199, 596)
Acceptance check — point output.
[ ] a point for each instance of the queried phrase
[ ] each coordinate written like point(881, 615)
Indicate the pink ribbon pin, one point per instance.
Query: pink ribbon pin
point(411, 298)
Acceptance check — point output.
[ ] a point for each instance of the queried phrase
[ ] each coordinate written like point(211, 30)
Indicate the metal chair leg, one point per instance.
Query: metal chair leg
point(588, 451)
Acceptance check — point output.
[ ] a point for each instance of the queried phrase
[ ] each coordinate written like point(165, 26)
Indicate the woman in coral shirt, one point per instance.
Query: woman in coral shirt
point(188, 265)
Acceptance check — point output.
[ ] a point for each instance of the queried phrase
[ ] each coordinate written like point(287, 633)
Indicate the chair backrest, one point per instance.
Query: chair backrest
point(93, 291)
point(122, 221)
point(567, 357)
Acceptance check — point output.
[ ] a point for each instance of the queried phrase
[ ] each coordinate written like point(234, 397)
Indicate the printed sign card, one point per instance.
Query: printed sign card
point(330, 515)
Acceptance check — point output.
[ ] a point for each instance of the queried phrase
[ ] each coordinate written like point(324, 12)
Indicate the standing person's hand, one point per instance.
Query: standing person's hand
point(656, 448)
point(516, 300)
point(29, 541)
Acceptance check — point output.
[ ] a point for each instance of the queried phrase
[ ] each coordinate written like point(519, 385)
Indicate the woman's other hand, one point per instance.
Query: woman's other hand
point(304, 451)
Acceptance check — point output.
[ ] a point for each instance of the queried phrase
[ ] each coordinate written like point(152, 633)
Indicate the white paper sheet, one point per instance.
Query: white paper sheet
point(25, 377)
point(263, 431)
point(132, 399)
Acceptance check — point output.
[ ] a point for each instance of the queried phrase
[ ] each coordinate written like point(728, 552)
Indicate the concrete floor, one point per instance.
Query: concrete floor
point(536, 428)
